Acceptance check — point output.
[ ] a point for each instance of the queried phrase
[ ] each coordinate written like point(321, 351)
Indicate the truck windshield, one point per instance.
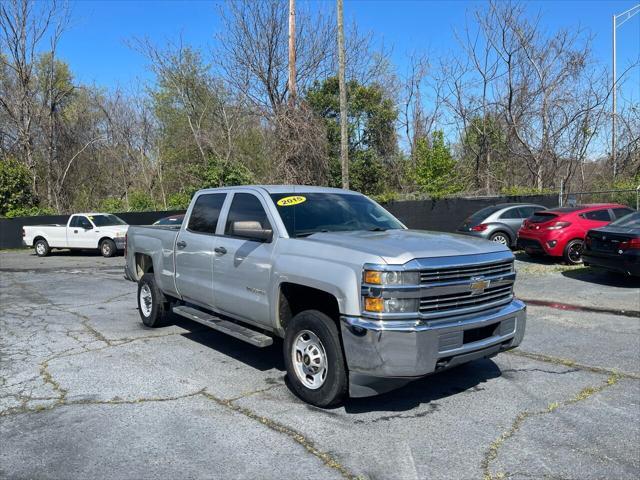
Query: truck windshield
point(304, 213)
point(106, 220)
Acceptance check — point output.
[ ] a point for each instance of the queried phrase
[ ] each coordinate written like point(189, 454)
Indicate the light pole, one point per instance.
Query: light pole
point(625, 16)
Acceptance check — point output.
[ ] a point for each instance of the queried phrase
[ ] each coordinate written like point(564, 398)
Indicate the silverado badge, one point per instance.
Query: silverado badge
point(478, 285)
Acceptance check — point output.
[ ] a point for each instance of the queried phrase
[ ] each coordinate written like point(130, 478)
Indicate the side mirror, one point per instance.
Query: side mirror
point(252, 231)
point(87, 226)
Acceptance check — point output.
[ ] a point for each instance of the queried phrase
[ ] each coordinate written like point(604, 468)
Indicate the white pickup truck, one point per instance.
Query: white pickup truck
point(83, 231)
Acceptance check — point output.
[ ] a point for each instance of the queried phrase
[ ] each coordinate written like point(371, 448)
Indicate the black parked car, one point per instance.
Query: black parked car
point(615, 247)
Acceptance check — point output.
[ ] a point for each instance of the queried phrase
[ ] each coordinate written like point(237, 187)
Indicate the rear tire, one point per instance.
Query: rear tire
point(501, 238)
point(313, 357)
point(152, 304)
point(42, 248)
point(573, 252)
point(108, 248)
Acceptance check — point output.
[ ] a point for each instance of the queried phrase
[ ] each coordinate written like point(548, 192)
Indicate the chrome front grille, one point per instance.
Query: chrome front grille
point(465, 273)
point(465, 302)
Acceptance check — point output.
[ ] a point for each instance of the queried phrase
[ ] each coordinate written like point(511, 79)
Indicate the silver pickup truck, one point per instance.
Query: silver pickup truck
point(363, 304)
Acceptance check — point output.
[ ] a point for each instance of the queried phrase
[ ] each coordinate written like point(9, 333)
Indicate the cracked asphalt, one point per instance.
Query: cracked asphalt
point(87, 392)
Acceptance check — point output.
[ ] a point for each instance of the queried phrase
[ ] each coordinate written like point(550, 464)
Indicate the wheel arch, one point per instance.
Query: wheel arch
point(294, 298)
point(102, 239)
point(38, 237)
point(500, 228)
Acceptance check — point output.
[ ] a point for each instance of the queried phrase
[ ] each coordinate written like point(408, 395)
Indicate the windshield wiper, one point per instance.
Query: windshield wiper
point(377, 229)
point(306, 234)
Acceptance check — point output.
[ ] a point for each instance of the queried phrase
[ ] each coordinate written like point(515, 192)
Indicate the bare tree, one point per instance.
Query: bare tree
point(24, 24)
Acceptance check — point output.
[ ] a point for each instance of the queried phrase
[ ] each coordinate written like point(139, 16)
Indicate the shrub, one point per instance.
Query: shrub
point(140, 201)
point(15, 187)
point(29, 212)
point(112, 205)
point(178, 201)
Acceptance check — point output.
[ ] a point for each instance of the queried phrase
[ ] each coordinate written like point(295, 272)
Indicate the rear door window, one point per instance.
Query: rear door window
point(481, 215)
point(205, 213)
point(75, 222)
point(526, 212)
point(512, 213)
point(597, 215)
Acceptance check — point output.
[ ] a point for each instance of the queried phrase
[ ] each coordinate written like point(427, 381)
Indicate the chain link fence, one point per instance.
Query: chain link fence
point(630, 197)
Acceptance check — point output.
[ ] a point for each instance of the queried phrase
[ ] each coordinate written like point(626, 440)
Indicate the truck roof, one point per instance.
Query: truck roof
point(287, 188)
point(86, 214)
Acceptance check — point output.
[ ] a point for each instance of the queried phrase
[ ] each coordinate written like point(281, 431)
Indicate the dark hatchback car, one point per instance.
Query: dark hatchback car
point(615, 247)
point(499, 223)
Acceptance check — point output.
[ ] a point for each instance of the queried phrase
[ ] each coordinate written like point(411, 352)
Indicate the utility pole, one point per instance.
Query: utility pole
point(344, 133)
point(614, 160)
point(292, 51)
point(626, 15)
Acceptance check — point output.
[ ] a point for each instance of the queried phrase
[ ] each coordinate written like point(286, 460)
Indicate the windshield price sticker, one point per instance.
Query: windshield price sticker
point(290, 201)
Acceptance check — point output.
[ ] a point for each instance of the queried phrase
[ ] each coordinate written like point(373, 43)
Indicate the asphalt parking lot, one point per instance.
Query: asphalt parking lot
point(87, 392)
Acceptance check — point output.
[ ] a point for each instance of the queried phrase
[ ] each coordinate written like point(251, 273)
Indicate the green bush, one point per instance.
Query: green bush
point(29, 212)
point(520, 191)
point(15, 187)
point(178, 201)
point(140, 201)
point(112, 205)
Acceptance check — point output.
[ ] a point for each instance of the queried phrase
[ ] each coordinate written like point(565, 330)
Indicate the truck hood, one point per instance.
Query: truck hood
point(114, 230)
point(401, 246)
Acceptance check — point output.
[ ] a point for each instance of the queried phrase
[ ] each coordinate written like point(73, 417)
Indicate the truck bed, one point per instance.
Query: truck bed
point(158, 242)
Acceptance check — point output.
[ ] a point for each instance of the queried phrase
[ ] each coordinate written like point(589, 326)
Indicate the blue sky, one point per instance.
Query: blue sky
point(95, 45)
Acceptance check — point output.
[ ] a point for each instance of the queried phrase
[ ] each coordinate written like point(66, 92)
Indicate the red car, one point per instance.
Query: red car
point(560, 232)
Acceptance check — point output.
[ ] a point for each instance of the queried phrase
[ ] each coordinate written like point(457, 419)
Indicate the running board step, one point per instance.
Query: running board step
point(233, 329)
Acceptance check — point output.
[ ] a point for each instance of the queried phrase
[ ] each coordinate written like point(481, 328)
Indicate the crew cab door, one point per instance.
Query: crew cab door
point(194, 250)
point(243, 260)
point(80, 233)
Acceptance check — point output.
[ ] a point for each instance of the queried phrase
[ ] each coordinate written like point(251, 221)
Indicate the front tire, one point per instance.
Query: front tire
point(42, 248)
point(108, 248)
point(152, 304)
point(313, 357)
point(573, 252)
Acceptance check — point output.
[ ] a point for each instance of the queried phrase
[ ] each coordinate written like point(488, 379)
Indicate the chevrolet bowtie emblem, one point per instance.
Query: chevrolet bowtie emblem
point(478, 285)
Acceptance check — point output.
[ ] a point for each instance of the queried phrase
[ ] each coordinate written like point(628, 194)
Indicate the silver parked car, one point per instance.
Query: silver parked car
point(499, 223)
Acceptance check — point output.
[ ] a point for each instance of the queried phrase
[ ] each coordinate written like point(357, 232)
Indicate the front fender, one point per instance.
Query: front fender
point(340, 280)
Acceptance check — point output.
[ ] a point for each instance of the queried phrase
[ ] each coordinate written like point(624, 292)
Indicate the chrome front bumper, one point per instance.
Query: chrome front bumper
point(382, 355)
point(120, 242)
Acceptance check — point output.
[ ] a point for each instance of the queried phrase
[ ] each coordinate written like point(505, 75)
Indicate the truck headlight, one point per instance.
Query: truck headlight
point(376, 277)
point(390, 305)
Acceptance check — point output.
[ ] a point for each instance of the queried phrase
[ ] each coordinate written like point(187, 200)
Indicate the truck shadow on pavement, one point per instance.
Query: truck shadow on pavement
point(462, 380)
point(262, 359)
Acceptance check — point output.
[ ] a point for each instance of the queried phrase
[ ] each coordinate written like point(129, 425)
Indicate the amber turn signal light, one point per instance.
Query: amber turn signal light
point(372, 304)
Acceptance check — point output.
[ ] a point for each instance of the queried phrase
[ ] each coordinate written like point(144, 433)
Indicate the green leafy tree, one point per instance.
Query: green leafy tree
point(372, 135)
point(435, 172)
point(15, 186)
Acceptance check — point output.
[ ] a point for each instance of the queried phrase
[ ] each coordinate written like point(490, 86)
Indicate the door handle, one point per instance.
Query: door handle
point(181, 244)
point(220, 250)
point(75, 231)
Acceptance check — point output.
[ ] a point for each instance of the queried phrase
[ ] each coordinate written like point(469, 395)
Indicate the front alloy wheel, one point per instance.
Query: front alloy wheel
point(309, 360)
